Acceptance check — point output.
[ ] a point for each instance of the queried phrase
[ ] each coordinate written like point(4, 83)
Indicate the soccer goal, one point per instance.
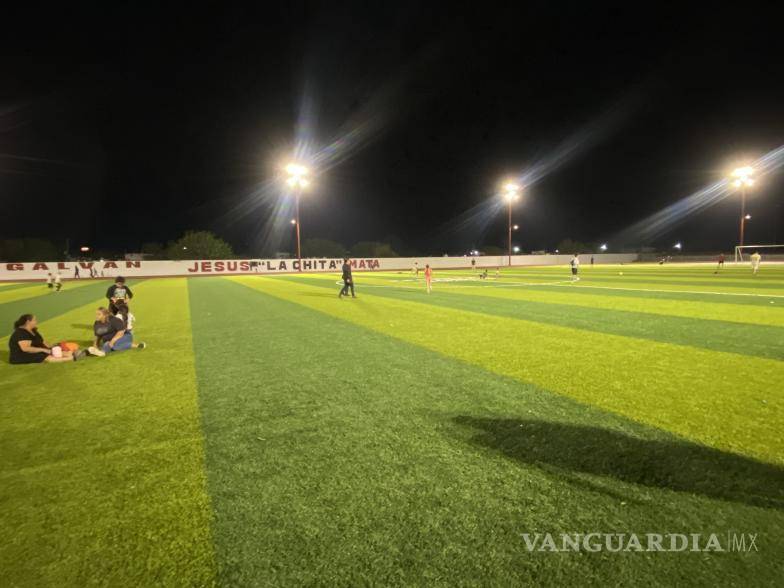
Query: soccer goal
point(771, 252)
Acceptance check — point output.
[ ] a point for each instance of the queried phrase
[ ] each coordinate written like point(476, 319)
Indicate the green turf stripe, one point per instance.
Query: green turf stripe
point(341, 456)
point(51, 304)
point(766, 310)
point(102, 476)
point(37, 290)
point(727, 401)
point(16, 286)
point(755, 340)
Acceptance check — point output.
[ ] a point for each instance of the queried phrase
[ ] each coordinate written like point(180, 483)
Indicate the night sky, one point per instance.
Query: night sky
point(126, 124)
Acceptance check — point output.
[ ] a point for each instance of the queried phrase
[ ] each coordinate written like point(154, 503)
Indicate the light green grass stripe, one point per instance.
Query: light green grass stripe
point(710, 309)
point(725, 401)
point(102, 460)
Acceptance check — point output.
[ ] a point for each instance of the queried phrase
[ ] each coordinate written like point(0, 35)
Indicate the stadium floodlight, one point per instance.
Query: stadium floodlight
point(678, 246)
point(515, 227)
point(516, 249)
point(747, 217)
point(84, 249)
point(603, 247)
point(742, 179)
point(298, 180)
point(510, 192)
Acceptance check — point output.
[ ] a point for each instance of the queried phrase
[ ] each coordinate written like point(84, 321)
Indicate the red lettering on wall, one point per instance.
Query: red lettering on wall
point(244, 266)
point(219, 265)
point(133, 264)
point(109, 264)
point(40, 266)
point(14, 267)
point(195, 267)
point(206, 266)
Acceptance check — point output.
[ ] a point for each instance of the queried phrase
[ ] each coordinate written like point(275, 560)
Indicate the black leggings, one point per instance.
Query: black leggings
point(346, 285)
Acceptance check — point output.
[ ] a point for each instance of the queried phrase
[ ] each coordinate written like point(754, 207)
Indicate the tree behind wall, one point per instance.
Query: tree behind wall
point(322, 248)
point(372, 249)
point(29, 250)
point(199, 245)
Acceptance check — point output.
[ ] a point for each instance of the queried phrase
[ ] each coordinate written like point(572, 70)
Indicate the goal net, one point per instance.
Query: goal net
point(768, 252)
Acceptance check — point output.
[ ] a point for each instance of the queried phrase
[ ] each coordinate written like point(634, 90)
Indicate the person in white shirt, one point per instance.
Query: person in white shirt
point(58, 282)
point(49, 280)
point(575, 263)
point(755, 261)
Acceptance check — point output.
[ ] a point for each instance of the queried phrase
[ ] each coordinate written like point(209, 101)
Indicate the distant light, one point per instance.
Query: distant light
point(84, 249)
point(516, 249)
point(603, 247)
point(556, 251)
point(515, 227)
point(677, 246)
point(293, 221)
point(747, 217)
point(297, 175)
point(184, 248)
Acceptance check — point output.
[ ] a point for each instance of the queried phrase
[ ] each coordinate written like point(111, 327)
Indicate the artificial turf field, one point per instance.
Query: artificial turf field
point(273, 434)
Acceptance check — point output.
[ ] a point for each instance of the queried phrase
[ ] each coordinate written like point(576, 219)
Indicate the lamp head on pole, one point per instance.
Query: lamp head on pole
point(743, 176)
point(510, 192)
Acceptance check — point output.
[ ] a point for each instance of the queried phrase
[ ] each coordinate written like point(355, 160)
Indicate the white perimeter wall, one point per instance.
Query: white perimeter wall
point(39, 270)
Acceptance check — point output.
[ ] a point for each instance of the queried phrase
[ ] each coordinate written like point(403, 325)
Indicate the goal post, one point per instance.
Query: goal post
point(742, 252)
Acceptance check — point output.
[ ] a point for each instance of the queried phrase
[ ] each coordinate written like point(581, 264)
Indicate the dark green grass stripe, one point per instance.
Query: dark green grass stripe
point(747, 339)
point(51, 304)
point(633, 292)
point(340, 456)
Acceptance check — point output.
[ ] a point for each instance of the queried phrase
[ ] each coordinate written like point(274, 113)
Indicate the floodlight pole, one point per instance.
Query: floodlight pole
point(742, 212)
point(510, 231)
point(296, 204)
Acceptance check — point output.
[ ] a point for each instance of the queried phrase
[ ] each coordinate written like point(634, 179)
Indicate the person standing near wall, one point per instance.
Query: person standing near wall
point(575, 263)
point(348, 280)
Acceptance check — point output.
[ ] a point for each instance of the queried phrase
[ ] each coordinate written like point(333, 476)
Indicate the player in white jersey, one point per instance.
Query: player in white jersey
point(756, 258)
point(575, 263)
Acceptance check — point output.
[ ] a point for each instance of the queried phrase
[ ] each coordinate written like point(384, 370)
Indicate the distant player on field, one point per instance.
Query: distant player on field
point(348, 280)
point(721, 261)
point(756, 258)
point(49, 280)
point(428, 277)
point(58, 282)
point(415, 269)
point(575, 263)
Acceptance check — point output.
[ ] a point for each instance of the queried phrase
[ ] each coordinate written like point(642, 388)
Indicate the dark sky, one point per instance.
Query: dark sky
point(132, 123)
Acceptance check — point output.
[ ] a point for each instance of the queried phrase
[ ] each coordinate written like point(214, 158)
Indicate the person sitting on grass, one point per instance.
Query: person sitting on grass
point(111, 334)
point(27, 345)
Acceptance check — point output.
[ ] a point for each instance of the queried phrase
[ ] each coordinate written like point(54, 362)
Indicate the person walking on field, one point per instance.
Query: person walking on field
point(58, 282)
point(49, 281)
point(428, 278)
point(756, 258)
point(348, 280)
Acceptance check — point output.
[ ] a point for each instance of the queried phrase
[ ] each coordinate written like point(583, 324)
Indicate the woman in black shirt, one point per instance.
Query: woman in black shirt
point(27, 345)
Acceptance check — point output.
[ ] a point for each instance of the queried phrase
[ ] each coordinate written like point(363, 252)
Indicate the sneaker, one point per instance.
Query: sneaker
point(80, 353)
point(142, 345)
point(96, 352)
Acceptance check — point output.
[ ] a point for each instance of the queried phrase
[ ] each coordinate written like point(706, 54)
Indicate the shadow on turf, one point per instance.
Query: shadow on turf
point(673, 465)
